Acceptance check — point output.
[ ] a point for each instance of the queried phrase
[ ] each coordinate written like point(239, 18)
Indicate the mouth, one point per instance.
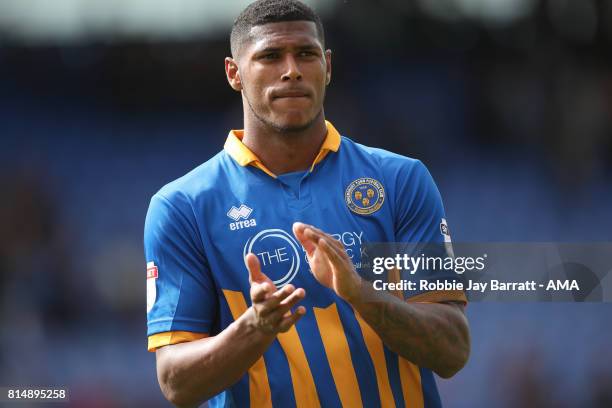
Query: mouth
point(290, 94)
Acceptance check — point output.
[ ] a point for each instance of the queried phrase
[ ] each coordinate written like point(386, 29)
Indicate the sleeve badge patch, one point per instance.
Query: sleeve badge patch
point(444, 230)
point(151, 289)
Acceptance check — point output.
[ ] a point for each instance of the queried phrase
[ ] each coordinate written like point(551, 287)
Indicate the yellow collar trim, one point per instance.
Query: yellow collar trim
point(244, 156)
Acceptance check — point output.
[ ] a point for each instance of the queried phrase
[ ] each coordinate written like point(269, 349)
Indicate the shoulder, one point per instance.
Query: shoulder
point(390, 164)
point(177, 208)
point(204, 180)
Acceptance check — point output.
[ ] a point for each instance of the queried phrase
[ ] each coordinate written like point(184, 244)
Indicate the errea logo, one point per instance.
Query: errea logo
point(236, 214)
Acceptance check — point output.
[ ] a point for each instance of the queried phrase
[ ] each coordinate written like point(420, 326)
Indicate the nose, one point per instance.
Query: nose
point(292, 70)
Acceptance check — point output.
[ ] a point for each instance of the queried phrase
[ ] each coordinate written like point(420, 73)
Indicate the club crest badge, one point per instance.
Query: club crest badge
point(364, 196)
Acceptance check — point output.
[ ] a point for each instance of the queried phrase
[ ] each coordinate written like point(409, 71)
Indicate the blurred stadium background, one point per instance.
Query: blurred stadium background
point(509, 103)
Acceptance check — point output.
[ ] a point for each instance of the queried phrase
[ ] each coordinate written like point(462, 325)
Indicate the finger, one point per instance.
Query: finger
point(255, 273)
point(283, 309)
point(322, 258)
point(311, 234)
point(331, 240)
point(333, 244)
point(319, 232)
point(254, 268)
point(330, 251)
point(291, 300)
point(315, 234)
point(260, 291)
point(298, 230)
point(271, 304)
point(289, 321)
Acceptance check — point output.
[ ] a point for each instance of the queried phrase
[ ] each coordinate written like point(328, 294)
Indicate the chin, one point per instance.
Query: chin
point(297, 120)
point(293, 124)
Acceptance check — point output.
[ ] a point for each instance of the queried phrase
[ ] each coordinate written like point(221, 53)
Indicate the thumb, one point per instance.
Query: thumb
point(254, 268)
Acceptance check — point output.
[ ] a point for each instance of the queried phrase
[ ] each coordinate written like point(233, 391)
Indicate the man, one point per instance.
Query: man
point(298, 325)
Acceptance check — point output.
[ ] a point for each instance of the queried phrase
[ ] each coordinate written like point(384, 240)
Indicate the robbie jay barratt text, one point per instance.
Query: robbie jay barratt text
point(493, 285)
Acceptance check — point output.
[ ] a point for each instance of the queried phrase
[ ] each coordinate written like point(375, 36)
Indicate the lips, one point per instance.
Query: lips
point(296, 93)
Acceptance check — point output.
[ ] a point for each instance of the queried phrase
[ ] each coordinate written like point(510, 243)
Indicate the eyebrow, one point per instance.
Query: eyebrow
point(278, 49)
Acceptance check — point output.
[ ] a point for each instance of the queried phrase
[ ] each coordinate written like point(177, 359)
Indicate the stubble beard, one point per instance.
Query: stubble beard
point(286, 130)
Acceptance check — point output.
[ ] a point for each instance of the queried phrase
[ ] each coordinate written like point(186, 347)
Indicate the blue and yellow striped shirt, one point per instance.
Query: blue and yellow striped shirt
point(199, 228)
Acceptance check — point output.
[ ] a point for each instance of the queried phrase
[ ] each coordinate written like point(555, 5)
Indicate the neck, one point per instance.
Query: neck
point(284, 151)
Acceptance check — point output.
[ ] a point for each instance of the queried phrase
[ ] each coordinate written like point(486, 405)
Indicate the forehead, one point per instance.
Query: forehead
point(284, 34)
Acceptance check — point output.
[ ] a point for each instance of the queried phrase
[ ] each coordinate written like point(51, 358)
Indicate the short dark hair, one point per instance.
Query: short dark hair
point(271, 11)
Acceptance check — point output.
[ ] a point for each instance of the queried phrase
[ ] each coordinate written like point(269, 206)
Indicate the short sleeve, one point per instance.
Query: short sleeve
point(419, 206)
point(181, 294)
point(422, 231)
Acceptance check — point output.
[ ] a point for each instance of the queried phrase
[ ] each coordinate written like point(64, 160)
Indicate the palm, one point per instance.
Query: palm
point(328, 260)
point(321, 268)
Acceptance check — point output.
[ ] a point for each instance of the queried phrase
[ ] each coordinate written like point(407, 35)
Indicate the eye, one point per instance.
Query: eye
point(270, 56)
point(306, 54)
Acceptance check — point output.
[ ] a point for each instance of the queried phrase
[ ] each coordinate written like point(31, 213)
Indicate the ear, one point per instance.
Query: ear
point(328, 55)
point(233, 76)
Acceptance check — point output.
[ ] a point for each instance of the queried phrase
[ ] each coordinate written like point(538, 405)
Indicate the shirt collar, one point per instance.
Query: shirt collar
point(244, 156)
